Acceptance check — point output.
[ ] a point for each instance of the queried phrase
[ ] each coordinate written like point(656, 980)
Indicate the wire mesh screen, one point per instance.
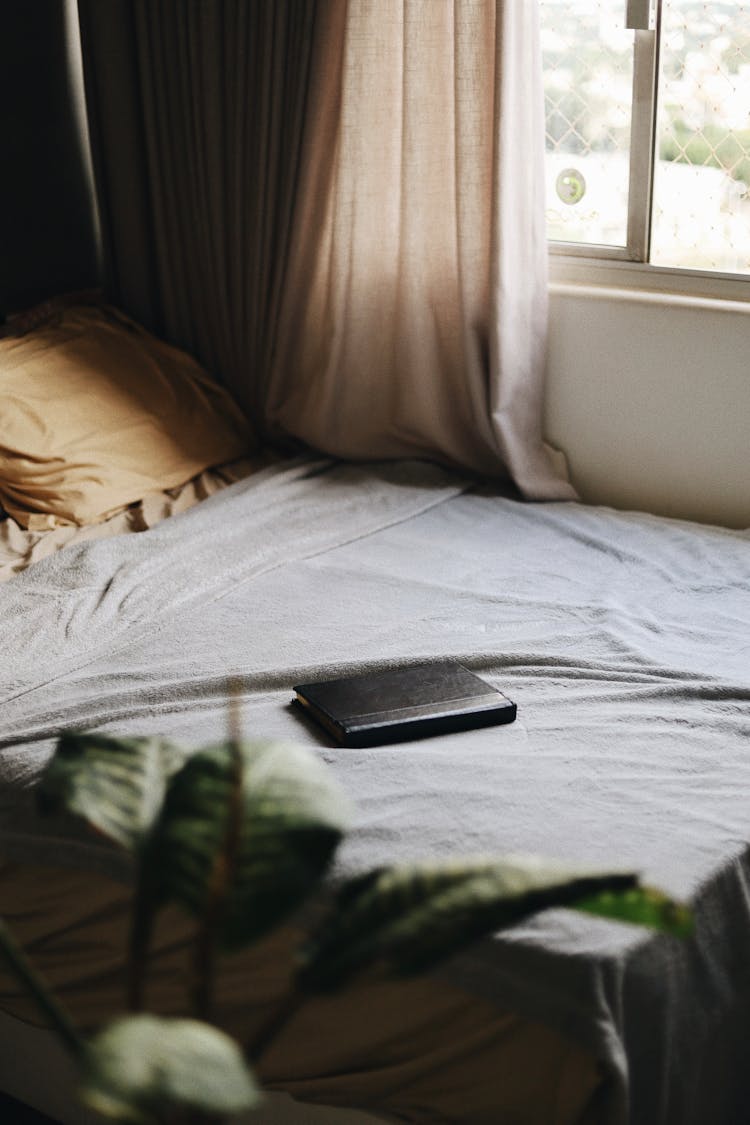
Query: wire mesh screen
point(701, 217)
point(588, 73)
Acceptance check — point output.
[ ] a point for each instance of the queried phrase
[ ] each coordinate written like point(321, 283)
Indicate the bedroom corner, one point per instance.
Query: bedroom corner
point(299, 388)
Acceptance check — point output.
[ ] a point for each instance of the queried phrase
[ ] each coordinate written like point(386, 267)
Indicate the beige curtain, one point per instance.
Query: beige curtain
point(337, 205)
point(414, 318)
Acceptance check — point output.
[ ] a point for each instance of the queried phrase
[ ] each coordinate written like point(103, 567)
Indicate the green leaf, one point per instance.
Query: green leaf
point(411, 918)
point(116, 785)
point(291, 815)
point(641, 906)
point(139, 1067)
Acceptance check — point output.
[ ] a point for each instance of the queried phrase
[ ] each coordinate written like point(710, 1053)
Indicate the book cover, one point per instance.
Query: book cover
point(375, 708)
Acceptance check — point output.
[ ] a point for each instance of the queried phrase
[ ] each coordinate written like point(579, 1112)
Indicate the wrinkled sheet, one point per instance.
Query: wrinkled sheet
point(20, 546)
point(623, 639)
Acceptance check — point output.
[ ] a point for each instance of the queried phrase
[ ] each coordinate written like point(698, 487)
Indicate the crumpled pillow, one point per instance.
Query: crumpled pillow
point(96, 413)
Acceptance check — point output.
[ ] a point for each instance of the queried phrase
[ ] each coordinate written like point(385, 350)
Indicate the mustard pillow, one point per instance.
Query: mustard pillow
point(95, 413)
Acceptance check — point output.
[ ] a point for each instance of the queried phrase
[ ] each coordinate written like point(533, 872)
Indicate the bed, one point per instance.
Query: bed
point(623, 639)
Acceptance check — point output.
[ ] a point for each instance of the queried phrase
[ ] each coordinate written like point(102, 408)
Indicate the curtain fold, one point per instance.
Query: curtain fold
point(414, 321)
point(338, 206)
point(196, 110)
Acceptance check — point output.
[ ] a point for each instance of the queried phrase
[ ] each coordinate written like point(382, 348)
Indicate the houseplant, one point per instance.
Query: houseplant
point(240, 834)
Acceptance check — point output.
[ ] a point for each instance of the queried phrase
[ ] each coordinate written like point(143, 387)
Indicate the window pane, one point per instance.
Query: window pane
point(701, 217)
point(588, 75)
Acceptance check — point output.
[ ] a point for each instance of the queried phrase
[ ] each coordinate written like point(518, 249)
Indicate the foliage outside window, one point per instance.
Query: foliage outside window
point(648, 132)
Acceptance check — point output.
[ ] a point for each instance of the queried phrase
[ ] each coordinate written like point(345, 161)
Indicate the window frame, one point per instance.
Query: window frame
point(629, 266)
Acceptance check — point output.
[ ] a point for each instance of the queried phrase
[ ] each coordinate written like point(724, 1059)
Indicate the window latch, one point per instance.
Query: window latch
point(640, 15)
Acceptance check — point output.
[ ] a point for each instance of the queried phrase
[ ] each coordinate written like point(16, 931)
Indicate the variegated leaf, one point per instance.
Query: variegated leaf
point(642, 906)
point(413, 917)
point(116, 785)
point(140, 1067)
point(291, 815)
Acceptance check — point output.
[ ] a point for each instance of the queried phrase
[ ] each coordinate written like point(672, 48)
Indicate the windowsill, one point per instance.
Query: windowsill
point(634, 281)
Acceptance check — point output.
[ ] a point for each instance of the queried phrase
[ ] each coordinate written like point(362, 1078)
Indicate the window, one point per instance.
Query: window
point(648, 131)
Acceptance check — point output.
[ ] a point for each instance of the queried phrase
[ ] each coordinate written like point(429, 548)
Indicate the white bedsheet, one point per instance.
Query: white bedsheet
point(623, 639)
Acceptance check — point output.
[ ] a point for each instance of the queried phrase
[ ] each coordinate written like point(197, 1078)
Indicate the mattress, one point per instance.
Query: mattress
point(623, 639)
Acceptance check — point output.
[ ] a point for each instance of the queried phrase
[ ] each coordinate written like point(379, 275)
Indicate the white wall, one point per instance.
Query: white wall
point(648, 395)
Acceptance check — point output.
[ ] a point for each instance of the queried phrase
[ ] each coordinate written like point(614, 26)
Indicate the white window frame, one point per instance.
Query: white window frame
point(628, 266)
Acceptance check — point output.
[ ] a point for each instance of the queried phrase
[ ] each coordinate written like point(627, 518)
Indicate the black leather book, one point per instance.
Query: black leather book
point(397, 704)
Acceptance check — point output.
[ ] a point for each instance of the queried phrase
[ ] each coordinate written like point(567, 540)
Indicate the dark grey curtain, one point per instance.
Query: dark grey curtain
point(197, 112)
point(47, 223)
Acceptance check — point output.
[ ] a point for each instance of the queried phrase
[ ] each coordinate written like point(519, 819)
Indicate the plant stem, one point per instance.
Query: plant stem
point(203, 971)
point(223, 870)
point(296, 998)
point(275, 1025)
point(46, 1003)
point(140, 935)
